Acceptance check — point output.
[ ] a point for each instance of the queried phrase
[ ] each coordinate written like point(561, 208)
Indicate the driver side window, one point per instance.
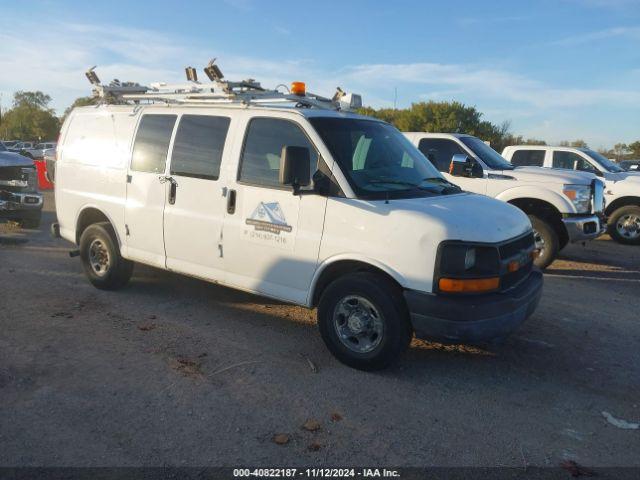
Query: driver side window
point(439, 151)
point(571, 161)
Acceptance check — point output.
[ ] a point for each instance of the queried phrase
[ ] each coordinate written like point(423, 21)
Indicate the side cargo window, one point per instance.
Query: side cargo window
point(152, 143)
point(265, 137)
point(439, 151)
point(197, 149)
point(528, 158)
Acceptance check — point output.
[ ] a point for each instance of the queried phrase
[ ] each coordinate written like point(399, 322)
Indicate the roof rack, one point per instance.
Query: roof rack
point(219, 91)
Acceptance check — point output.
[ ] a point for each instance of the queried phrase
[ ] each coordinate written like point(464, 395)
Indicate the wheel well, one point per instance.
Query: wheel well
point(621, 202)
point(89, 216)
point(342, 267)
point(546, 211)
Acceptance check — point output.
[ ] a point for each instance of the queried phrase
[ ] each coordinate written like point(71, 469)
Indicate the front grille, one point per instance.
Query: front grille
point(519, 250)
point(16, 179)
point(514, 247)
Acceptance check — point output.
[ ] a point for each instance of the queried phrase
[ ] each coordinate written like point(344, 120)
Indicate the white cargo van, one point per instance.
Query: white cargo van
point(622, 188)
point(286, 196)
point(564, 207)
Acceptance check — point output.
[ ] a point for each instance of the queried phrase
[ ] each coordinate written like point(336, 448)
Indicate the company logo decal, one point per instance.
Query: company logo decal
point(268, 217)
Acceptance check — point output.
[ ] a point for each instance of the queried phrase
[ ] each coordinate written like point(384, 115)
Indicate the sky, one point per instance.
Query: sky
point(556, 69)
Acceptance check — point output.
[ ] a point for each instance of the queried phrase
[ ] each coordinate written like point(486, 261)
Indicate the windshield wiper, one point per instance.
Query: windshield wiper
point(391, 181)
point(442, 181)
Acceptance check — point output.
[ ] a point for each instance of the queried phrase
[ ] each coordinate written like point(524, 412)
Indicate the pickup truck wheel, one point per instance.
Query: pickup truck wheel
point(104, 266)
point(364, 321)
point(546, 242)
point(32, 221)
point(624, 225)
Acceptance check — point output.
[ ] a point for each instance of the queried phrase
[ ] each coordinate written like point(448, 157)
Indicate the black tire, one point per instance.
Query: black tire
point(390, 310)
point(97, 241)
point(32, 221)
point(548, 236)
point(619, 234)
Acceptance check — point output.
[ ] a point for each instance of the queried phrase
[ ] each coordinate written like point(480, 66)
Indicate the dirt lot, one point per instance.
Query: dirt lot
point(175, 371)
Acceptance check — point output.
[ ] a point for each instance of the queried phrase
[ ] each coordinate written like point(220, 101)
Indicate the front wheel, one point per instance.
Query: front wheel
point(546, 241)
point(32, 221)
point(624, 225)
point(104, 266)
point(364, 321)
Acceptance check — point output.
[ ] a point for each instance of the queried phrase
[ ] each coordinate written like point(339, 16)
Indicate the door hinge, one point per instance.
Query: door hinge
point(126, 230)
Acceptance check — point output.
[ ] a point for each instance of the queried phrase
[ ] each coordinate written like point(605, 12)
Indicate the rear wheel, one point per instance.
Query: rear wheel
point(364, 321)
point(624, 225)
point(546, 241)
point(104, 266)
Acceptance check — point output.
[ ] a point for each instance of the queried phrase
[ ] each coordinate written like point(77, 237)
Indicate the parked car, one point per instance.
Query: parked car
point(37, 151)
point(563, 207)
point(312, 206)
point(622, 188)
point(630, 165)
point(19, 196)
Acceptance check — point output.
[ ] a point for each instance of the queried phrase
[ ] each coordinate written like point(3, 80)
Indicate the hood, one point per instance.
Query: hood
point(467, 216)
point(623, 177)
point(549, 175)
point(9, 159)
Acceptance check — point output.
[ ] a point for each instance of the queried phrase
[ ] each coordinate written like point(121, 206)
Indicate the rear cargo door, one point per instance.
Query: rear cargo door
point(147, 189)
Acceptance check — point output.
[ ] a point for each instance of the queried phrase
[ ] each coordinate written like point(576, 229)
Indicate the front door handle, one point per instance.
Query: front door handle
point(231, 202)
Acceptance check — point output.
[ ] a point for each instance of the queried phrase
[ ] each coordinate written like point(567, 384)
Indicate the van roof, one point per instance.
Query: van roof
point(305, 112)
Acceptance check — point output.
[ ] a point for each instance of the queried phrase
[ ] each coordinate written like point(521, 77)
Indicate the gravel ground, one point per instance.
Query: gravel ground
point(176, 371)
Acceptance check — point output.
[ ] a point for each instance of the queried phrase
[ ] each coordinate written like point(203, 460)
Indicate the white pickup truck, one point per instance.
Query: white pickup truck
point(312, 206)
point(563, 207)
point(622, 188)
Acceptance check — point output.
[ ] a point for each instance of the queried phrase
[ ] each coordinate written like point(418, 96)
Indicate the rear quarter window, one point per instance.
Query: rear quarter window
point(528, 158)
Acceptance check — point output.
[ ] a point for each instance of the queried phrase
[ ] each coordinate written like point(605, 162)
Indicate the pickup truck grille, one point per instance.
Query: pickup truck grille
point(17, 179)
point(516, 250)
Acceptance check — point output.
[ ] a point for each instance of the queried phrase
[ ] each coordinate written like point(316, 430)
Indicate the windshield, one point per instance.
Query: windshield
point(488, 155)
point(2, 147)
point(603, 161)
point(378, 161)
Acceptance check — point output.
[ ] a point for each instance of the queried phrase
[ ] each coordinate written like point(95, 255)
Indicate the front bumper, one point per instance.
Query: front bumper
point(584, 228)
point(474, 318)
point(14, 204)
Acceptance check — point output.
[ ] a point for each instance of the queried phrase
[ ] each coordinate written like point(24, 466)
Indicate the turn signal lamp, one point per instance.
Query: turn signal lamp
point(298, 88)
point(471, 285)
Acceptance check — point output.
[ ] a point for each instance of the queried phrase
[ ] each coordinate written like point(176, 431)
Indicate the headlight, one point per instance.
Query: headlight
point(580, 196)
point(465, 268)
point(32, 178)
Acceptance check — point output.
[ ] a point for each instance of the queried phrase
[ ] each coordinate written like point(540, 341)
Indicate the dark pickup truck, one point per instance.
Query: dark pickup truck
point(19, 196)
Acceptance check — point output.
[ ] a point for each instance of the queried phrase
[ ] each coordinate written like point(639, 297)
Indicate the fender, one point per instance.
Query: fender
point(356, 257)
point(562, 204)
point(109, 217)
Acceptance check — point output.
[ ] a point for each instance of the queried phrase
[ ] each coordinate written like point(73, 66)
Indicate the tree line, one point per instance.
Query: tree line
point(30, 118)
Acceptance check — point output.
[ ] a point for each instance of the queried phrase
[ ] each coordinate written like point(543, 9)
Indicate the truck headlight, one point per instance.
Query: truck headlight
point(580, 196)
point(467, 268)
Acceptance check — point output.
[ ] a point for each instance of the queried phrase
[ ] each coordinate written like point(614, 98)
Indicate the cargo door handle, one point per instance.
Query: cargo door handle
point(172, 188)
point(231, 202)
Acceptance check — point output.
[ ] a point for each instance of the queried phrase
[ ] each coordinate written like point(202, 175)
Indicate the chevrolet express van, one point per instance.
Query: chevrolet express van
point(308, 205)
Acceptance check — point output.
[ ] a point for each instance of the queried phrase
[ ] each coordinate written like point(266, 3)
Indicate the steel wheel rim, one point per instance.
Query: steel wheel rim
point(358, 324)
point(628, 226)
point(539, 242)
point(99, 257)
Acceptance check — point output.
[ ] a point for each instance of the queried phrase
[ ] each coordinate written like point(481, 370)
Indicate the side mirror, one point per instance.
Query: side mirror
point(295, 167)
point(463, 166)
